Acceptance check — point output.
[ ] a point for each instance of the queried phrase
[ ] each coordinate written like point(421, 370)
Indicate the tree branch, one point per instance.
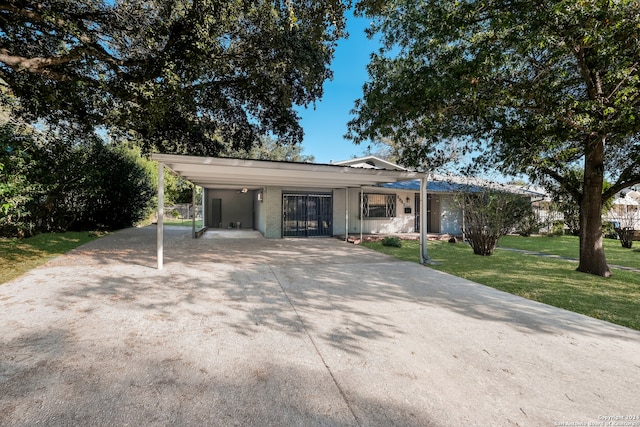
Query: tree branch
point(579, 52)
point(633, 69)
point(37, 64)
point(564, 183)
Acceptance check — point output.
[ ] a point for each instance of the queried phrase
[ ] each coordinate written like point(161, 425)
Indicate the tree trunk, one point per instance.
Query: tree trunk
point(592, 258)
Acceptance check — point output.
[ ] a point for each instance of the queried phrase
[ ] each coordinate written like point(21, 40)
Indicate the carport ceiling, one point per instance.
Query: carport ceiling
point(215, 172)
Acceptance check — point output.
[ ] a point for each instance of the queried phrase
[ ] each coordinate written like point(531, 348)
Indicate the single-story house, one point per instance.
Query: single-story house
point(365, 195)
point(288, 199)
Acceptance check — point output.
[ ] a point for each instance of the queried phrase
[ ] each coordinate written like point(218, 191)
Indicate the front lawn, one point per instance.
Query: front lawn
point(551, 281)
point(183, 222)
point(19, 256)
point(569, 246)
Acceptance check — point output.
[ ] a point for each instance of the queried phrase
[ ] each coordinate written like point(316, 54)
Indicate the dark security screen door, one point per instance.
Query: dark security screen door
point(307, 215)
point(417, 222)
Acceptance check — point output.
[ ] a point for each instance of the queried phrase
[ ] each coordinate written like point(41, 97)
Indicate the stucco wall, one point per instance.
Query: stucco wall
point(338, 211)
point(451, 215)
point(401, 223)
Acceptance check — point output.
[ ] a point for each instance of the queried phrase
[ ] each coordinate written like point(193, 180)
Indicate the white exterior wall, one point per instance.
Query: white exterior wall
point(338, 211)
point(401, 223)
point(450, 215)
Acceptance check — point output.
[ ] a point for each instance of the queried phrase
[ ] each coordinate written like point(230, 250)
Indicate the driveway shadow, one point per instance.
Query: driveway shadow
point(292, 332)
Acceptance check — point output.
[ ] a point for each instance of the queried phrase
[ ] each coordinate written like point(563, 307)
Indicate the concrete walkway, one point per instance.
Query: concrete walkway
point(308, 332)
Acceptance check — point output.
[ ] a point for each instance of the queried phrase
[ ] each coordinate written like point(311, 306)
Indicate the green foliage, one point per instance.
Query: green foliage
point(17, 194)
point(179, 75)
point(609, 231)
point(391, 241)
point(626, 235)
point(491, 214)
point(177, 189)
point(268, 148)
point(537, 88)
point(529, 223)
point(58, 181)
point(557, 228)
point(564, 201)
point(117, 190)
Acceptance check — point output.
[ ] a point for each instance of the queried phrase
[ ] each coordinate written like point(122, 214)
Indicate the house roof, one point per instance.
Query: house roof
point(442, 184)
point(370, 162)
point(627, 200)
point(215, 172)
point(434, 186)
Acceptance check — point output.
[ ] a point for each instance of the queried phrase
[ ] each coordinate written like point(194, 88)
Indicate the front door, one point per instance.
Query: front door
point(214, 215)
point(433, 213)
point(307, 215)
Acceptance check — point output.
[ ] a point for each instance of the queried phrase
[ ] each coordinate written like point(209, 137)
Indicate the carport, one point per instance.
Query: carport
point(251, 175)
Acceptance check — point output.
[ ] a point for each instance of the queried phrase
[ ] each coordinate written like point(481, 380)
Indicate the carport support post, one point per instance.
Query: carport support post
point(346, 214)
point(160, 223)
point(424, 257)
point(361, 210)
point(193, 211)
point(202, 199)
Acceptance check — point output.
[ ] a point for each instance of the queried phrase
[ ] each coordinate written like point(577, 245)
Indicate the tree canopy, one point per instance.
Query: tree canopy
point(56, 181)
point(537, 86)
point(271, 149)
point(179, 75)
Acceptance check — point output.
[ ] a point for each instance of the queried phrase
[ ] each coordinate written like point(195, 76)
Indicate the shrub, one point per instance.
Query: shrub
point(609, 231)
point(57, 181)
point(625, 234)
point(392, 241)
point(489, 215)
point(529, 223)
point(118, 190)
point(558, 228)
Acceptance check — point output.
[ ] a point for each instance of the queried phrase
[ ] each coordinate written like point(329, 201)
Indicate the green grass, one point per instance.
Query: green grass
point(568, 246)
point(19, 256)
point(550, 281)
point(182, 222)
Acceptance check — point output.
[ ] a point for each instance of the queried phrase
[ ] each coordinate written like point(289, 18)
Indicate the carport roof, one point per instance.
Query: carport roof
point(216, 172)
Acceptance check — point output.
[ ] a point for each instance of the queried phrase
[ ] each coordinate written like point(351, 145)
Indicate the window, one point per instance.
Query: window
point(379, 205)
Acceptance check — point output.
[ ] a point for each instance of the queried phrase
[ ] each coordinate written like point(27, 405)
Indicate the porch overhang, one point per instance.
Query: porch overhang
point(229, 173)
point(215, 172)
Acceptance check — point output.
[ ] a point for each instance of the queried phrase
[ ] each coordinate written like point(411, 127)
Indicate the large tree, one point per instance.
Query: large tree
point(181, 75)
point(538, 86)
point(268, 148)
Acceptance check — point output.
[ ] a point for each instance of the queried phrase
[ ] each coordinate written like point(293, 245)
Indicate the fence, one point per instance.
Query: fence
point(182, 211)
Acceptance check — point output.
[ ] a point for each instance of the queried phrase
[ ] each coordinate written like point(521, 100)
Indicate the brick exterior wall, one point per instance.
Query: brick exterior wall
point(273, 212)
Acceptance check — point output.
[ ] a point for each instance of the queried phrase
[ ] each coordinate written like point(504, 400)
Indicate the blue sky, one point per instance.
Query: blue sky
point(325, 125)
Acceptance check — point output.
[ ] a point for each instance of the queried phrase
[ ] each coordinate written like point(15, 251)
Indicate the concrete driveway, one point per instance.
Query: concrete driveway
point(248, 331)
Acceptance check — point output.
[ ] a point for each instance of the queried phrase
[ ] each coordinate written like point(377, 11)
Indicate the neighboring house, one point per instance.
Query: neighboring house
point(366, 195)
point(625, 210)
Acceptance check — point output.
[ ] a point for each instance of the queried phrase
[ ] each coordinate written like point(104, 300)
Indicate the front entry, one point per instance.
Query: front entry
point(433, 213)
point(307, 215)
